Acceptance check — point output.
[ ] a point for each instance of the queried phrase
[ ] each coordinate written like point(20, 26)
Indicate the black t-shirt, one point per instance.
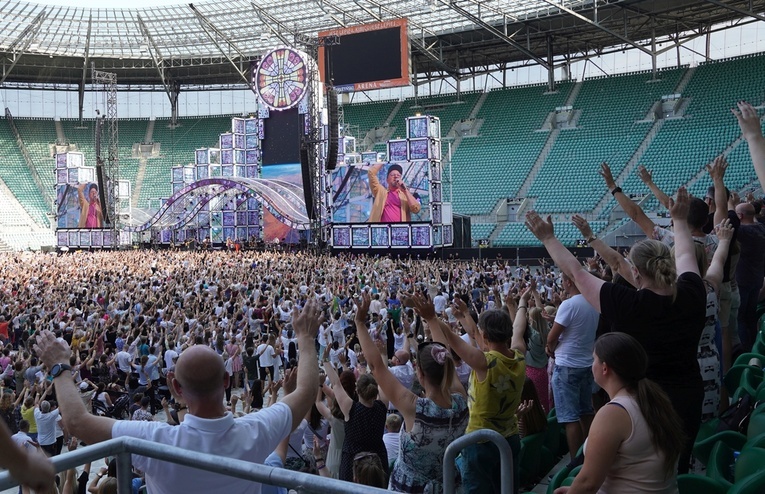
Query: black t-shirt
point(668, 330)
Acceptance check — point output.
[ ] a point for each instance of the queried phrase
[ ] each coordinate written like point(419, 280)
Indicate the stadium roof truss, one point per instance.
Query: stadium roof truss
point(212, 43)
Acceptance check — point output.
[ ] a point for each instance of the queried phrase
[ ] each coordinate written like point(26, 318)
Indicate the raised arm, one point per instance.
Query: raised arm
point(717, 171)
point(716, 268)
point(630, 207)
point(306, 323)
point(749, 122)
point(341, 396)
point(31, 469)
point(588, 284)
point(471, 355)
point(89, 428)
point(612, 257)
point(685, 252)
point(402, 398)
point(647, 178)
point(520, 323)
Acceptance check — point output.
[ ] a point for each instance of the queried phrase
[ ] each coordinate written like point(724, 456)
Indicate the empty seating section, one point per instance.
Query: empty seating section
point(516, 234)
point(130, 132)
point(177, 147)
point(15, 173)
point(608, 130)
point(38, 135)
point(362, 117)
point(683, 147)
point(481, 231)
point(495, 164)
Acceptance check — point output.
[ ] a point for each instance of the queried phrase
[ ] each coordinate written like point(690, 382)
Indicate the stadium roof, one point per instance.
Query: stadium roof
point(213, 42)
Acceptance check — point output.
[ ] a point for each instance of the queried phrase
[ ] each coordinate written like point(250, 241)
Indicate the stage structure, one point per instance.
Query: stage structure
point(250, 186)
point(270, 179)
point(88, 198)
point(351, 194)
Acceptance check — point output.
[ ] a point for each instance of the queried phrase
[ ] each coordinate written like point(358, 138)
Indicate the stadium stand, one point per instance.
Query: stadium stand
point(496, 162)
point(177, 147)
point(18, 178)
point(507, 148)
point(611, 127)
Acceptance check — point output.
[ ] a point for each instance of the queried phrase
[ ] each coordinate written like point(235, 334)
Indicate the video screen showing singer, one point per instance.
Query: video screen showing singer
point(394, 204)
point(91, 214)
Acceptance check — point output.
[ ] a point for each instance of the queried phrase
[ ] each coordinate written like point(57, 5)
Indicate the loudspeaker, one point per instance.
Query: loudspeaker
point(307, 183)
point(334, 130)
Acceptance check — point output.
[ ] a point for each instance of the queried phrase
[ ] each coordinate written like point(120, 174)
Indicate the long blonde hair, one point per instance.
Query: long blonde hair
point(537, 322)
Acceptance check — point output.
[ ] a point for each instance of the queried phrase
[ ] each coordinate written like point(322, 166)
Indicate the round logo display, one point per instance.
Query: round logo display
point(282, 78)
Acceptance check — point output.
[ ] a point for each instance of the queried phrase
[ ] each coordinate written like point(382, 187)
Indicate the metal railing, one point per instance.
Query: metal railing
point(483, 435)
point(123, 447)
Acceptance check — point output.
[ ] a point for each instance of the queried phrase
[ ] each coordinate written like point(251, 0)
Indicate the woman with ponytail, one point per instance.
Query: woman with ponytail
point(636, 439)
point(666, 314)
point(432, 422)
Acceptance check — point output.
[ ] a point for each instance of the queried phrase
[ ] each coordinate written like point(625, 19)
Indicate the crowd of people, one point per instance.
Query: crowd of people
point(366, 368)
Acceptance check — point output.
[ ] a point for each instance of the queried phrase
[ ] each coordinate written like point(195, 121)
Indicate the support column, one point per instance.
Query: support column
point(550, 65)
point(653, 50)
point(174, 104)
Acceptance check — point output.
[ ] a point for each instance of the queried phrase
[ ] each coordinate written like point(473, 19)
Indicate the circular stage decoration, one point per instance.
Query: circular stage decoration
point(282, 78)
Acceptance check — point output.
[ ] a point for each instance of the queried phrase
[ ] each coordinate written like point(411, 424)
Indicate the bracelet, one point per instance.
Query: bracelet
point(616, 190)
point(522, 307)
point(591, 239)
point(320, 466)
point(99, 475)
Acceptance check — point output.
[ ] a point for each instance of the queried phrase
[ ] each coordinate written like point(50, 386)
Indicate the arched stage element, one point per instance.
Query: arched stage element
point(283, 199)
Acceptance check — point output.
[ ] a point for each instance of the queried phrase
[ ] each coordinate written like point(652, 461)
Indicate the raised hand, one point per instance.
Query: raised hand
point(724, 230)
point(748, 120)
point(645, 175)
point(582, 225)
point(679, 207)
point(51, 350)
point(541, 229)
point(362, 307)
point(526, 295)
point(306, 322)
point(717, 168)
point(605, 172)
point(423, 306)
point(459, 309)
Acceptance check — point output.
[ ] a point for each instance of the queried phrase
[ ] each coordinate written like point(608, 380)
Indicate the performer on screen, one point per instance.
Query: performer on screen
point(395, 203)
point(91, 215)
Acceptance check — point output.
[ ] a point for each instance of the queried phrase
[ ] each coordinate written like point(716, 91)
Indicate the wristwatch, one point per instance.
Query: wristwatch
point(58, 369)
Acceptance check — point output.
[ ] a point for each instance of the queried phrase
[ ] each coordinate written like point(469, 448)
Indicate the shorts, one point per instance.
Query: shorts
point(266, 372)
point(572, 388)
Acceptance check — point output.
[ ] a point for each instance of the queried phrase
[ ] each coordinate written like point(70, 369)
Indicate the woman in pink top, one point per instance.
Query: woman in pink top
point(636, 439)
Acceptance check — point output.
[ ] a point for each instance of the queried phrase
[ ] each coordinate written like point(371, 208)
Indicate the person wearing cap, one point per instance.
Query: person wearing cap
point(395, 203)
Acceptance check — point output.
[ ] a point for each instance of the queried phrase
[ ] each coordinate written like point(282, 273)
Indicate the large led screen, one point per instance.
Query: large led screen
point(383, 193)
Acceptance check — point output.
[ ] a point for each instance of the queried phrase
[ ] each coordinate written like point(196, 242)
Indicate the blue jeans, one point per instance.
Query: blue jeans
point(479, 466)
point(572, 389)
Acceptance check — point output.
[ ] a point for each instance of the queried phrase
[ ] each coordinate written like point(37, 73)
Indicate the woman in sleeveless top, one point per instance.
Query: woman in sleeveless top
point(636, 439)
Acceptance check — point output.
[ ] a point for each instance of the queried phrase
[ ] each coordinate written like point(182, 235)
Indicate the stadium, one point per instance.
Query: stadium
point(147, 144)
point(564, 113)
